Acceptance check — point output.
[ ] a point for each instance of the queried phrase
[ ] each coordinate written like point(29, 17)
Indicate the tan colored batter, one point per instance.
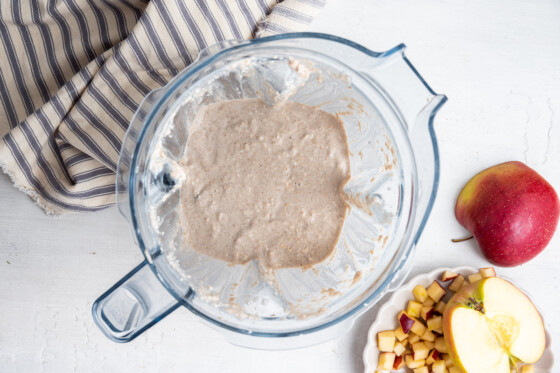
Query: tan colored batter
point(264, 182)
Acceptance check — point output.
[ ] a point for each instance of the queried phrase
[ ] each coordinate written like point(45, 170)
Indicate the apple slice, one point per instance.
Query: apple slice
point(426, 312)
point(401, 336)
point(386, 360)
point(490, 322)
point(428, 302)
point(386, 341)
point(432, 357)
point(435, 323)
point(430, 345)
point(435, 291)
point(439, 366)
point(414, 338)
point(405, 321)
point(413, 308)
point(440, 307)
point(418, 328)
point(475, 277)
point(413, 364)
point(457, 282)
point(447, 359)
point(448, 276)
point(487, 272)
point(419, 293)
point(419, 351)
point(440, 345)
point(399, 363)
point(399, 348)
point(428, 336)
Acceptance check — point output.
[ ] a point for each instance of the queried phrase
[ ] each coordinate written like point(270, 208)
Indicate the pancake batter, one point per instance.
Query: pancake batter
point(264, 182)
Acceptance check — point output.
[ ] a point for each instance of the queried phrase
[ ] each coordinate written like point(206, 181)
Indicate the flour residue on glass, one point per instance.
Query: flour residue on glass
point(264, 183)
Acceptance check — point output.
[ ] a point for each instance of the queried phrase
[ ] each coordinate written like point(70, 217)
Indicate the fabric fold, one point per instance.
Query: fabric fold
point(73, 73)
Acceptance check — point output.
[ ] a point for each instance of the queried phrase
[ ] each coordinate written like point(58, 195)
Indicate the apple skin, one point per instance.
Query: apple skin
point(511, 211)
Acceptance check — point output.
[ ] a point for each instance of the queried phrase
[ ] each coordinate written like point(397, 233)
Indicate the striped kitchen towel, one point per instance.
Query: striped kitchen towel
point(73, 72)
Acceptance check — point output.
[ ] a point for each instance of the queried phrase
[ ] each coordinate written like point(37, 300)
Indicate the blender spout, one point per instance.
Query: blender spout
point(409, 93)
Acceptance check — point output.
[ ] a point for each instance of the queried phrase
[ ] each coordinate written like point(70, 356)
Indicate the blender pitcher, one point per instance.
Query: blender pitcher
point(387, 110)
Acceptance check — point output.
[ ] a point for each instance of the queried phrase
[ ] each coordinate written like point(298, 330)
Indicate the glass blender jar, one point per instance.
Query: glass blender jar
point(387, 110)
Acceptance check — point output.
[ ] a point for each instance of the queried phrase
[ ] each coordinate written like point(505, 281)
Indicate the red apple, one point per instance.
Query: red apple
point(511, 211)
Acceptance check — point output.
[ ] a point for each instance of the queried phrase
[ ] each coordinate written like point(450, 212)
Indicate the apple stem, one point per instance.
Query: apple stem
point(514, 363)
point(461, 239)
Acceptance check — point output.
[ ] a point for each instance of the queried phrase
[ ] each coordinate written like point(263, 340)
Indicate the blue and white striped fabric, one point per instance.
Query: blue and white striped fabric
point(73, 72)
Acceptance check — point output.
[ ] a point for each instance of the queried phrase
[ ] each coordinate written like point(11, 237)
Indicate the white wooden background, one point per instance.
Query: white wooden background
point(498, 62)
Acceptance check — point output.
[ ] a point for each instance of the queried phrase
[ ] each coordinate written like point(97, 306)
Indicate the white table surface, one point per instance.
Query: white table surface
point(499, 64)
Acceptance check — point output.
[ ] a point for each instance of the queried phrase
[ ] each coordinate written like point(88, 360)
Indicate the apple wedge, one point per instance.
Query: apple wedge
point(490, 322)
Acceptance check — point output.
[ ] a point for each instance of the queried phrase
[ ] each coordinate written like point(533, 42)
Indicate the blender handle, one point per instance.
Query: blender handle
point(417, 105)
point(132, 305)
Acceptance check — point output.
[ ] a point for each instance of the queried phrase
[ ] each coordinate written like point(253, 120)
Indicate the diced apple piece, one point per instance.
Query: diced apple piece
point(448, 276)
point(413, 308)
point(405, 342)
point(423, 369)
point(426, 312)
point(432, 357)
point(428, 302)
point(400, 335)
point(455, 370)
point(439, 366)
point(487, 272)
point(419, 293)
point(447, 359)
point(438, 331)
point(399, 363)
point(457, 282)
point(399, 348)
point(440, 345)
point(413, 364)
point(414, 338)
point(430, 345)
point(475, 277)
point(428, 336)
point(405, 321)
point(418, 328)
point(419, 351)
point(440, 307)
point(434, 323)
point(386, 341)
point(386, 360)
point(435, 291)
point(527, 369)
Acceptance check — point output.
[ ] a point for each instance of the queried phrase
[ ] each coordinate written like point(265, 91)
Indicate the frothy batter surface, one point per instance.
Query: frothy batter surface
point(264, 182)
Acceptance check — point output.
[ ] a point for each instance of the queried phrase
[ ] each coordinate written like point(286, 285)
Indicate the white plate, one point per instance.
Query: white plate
point(386, 319)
